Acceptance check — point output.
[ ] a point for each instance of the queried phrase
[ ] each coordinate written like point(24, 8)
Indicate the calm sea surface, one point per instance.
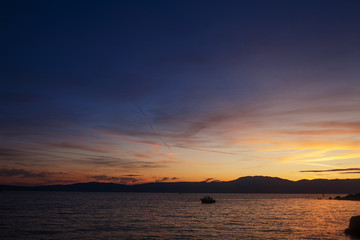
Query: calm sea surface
point(65, 215)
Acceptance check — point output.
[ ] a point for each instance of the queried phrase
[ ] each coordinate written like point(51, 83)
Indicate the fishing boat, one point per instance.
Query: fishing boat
point(208, 199)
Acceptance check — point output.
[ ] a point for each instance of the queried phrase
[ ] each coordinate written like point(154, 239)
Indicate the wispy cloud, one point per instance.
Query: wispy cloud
point(128, 179)
point(10, 152)
point(208, 180)
point(206, 150)
point(322, 132)
point(5, 172)
point(69, 145)
point(164, 179)
point(346, 170)
point(122, 163)
point(334, 124)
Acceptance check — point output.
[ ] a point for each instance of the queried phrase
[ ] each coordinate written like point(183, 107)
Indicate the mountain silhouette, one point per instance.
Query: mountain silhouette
point(253, 184)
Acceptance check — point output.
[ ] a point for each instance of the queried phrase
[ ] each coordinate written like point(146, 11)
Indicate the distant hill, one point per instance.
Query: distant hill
point(256, 184)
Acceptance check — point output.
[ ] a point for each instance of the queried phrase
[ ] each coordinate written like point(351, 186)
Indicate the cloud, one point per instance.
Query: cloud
point(327, 128)
point(347, 170)
point(121, 162)
point(10, 152)
point(57, 181)
point(5, 172)
point(40, 155)
point(349, 125)
point(321, 109)
point(211, 180)
point(79, 147)
point(206, 150)
point(106, 161)
point(208, 179)
point(170, 162)
point(164, 179)
point(322, 132)
point(140, 155)
point(122, 179)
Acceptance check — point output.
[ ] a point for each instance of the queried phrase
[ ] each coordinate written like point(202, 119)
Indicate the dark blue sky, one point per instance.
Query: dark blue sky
point(77, 76)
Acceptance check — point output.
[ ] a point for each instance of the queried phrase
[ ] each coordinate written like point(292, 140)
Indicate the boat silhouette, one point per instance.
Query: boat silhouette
point(207, 199)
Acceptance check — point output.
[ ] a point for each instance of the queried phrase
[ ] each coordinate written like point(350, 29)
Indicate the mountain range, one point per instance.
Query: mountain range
point(250, 184)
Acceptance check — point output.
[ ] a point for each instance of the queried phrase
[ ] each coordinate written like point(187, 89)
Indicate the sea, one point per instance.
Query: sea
point(109, 215)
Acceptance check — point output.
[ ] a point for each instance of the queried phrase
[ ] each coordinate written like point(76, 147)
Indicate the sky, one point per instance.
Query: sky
point(166, 91)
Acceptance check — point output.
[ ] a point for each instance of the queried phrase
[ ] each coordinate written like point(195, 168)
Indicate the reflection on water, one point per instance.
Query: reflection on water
point(62, 215)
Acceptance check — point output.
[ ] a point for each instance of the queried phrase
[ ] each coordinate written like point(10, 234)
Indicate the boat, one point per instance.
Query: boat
point(208, 199)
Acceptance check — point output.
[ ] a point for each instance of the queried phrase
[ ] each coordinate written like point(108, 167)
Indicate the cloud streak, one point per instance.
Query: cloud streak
point(5, 172)
point(129, 179)
point(347, 170)
point(164, 179)
point(69, 145)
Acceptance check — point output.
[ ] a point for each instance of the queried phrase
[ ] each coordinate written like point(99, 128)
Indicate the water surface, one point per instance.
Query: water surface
point(75, 215)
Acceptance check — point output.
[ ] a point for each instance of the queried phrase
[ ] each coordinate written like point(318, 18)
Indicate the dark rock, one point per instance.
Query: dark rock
point(354, 226)
point(353, 197)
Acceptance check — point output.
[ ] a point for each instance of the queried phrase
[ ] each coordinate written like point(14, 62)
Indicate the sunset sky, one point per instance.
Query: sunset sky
point(144, 91)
